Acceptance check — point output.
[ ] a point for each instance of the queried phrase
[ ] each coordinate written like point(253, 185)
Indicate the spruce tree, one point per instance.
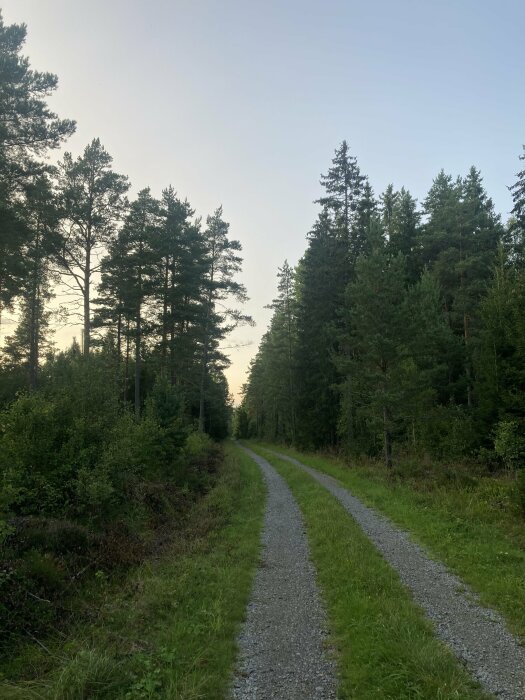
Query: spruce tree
point(284, 337)
point(459, 243)
point(343, 186)
point(321, 277)
point(517, 228)
point(403, 230)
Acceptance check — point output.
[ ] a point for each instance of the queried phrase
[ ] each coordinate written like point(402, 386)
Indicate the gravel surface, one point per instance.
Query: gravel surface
point(283, 651)
point(477, 635)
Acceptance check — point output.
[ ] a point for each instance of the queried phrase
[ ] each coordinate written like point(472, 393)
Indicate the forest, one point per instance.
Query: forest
point(363, 534)
point(102, 443)
point(401, 331)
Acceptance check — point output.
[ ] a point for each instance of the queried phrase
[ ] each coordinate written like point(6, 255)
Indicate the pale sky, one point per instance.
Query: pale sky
point(242, 103)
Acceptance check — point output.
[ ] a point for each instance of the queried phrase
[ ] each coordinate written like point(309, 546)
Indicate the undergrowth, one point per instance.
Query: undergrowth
point(169, 630)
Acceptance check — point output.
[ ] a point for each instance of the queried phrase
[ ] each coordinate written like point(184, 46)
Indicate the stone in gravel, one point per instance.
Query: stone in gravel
point(283, 642)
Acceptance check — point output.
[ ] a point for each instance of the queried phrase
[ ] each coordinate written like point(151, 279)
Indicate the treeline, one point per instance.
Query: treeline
point(100, 442)
point(402, 329)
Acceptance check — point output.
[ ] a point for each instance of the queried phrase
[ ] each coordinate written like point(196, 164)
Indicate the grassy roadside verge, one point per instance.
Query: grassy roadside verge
point(386, 648)
point(473, 528)
point(171, 631)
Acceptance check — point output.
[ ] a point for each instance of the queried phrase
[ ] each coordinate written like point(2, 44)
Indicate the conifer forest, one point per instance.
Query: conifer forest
point(400, 329)
point(350, 525)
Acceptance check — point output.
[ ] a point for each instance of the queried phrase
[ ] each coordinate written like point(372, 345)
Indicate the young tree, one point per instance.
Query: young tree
point(92, 198)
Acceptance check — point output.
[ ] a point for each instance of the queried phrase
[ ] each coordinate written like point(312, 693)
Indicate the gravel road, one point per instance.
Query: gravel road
point(283, 642)
point(477, 635)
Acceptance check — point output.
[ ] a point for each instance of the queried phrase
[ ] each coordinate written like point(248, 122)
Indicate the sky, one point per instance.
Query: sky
point(243, 102)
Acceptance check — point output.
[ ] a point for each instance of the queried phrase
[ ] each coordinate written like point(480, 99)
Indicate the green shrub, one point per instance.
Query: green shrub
point(447, 432)
point(509, 443)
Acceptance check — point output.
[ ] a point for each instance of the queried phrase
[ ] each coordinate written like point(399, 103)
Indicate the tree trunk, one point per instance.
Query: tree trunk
point(126, 366)
point(204, 377)
point(87, 284)
point(164, 342)
point(137, 364)
point(119, 337)
point(467, 360)
point(34, 316)
point(387, 438)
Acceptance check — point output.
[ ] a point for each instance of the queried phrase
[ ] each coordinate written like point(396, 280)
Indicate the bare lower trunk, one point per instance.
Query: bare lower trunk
point(137, 366)
point(387, 438)
point(164, 342)
point(204, 377)
point(87, 281)
point(119, 337)
point(467, 364)
point(126, 366)
point(34, 336)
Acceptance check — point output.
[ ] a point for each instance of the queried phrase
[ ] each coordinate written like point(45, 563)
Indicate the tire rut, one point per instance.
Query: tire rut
point(283, 650)
point(477, 635)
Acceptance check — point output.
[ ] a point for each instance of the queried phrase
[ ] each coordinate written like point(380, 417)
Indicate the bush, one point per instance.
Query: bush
point(509, 443)
point(447, 432)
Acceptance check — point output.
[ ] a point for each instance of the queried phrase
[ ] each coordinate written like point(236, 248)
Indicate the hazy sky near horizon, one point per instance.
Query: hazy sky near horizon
point(242, 103)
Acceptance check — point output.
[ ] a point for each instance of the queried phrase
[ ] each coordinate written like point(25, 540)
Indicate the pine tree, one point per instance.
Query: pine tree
point(139, 235)
point(183, 265)
point(92, 198)
point(40, 215)
point(28, 129)
point(219, 288)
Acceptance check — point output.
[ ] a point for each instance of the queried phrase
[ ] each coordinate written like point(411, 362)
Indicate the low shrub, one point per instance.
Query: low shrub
point(509, 443)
